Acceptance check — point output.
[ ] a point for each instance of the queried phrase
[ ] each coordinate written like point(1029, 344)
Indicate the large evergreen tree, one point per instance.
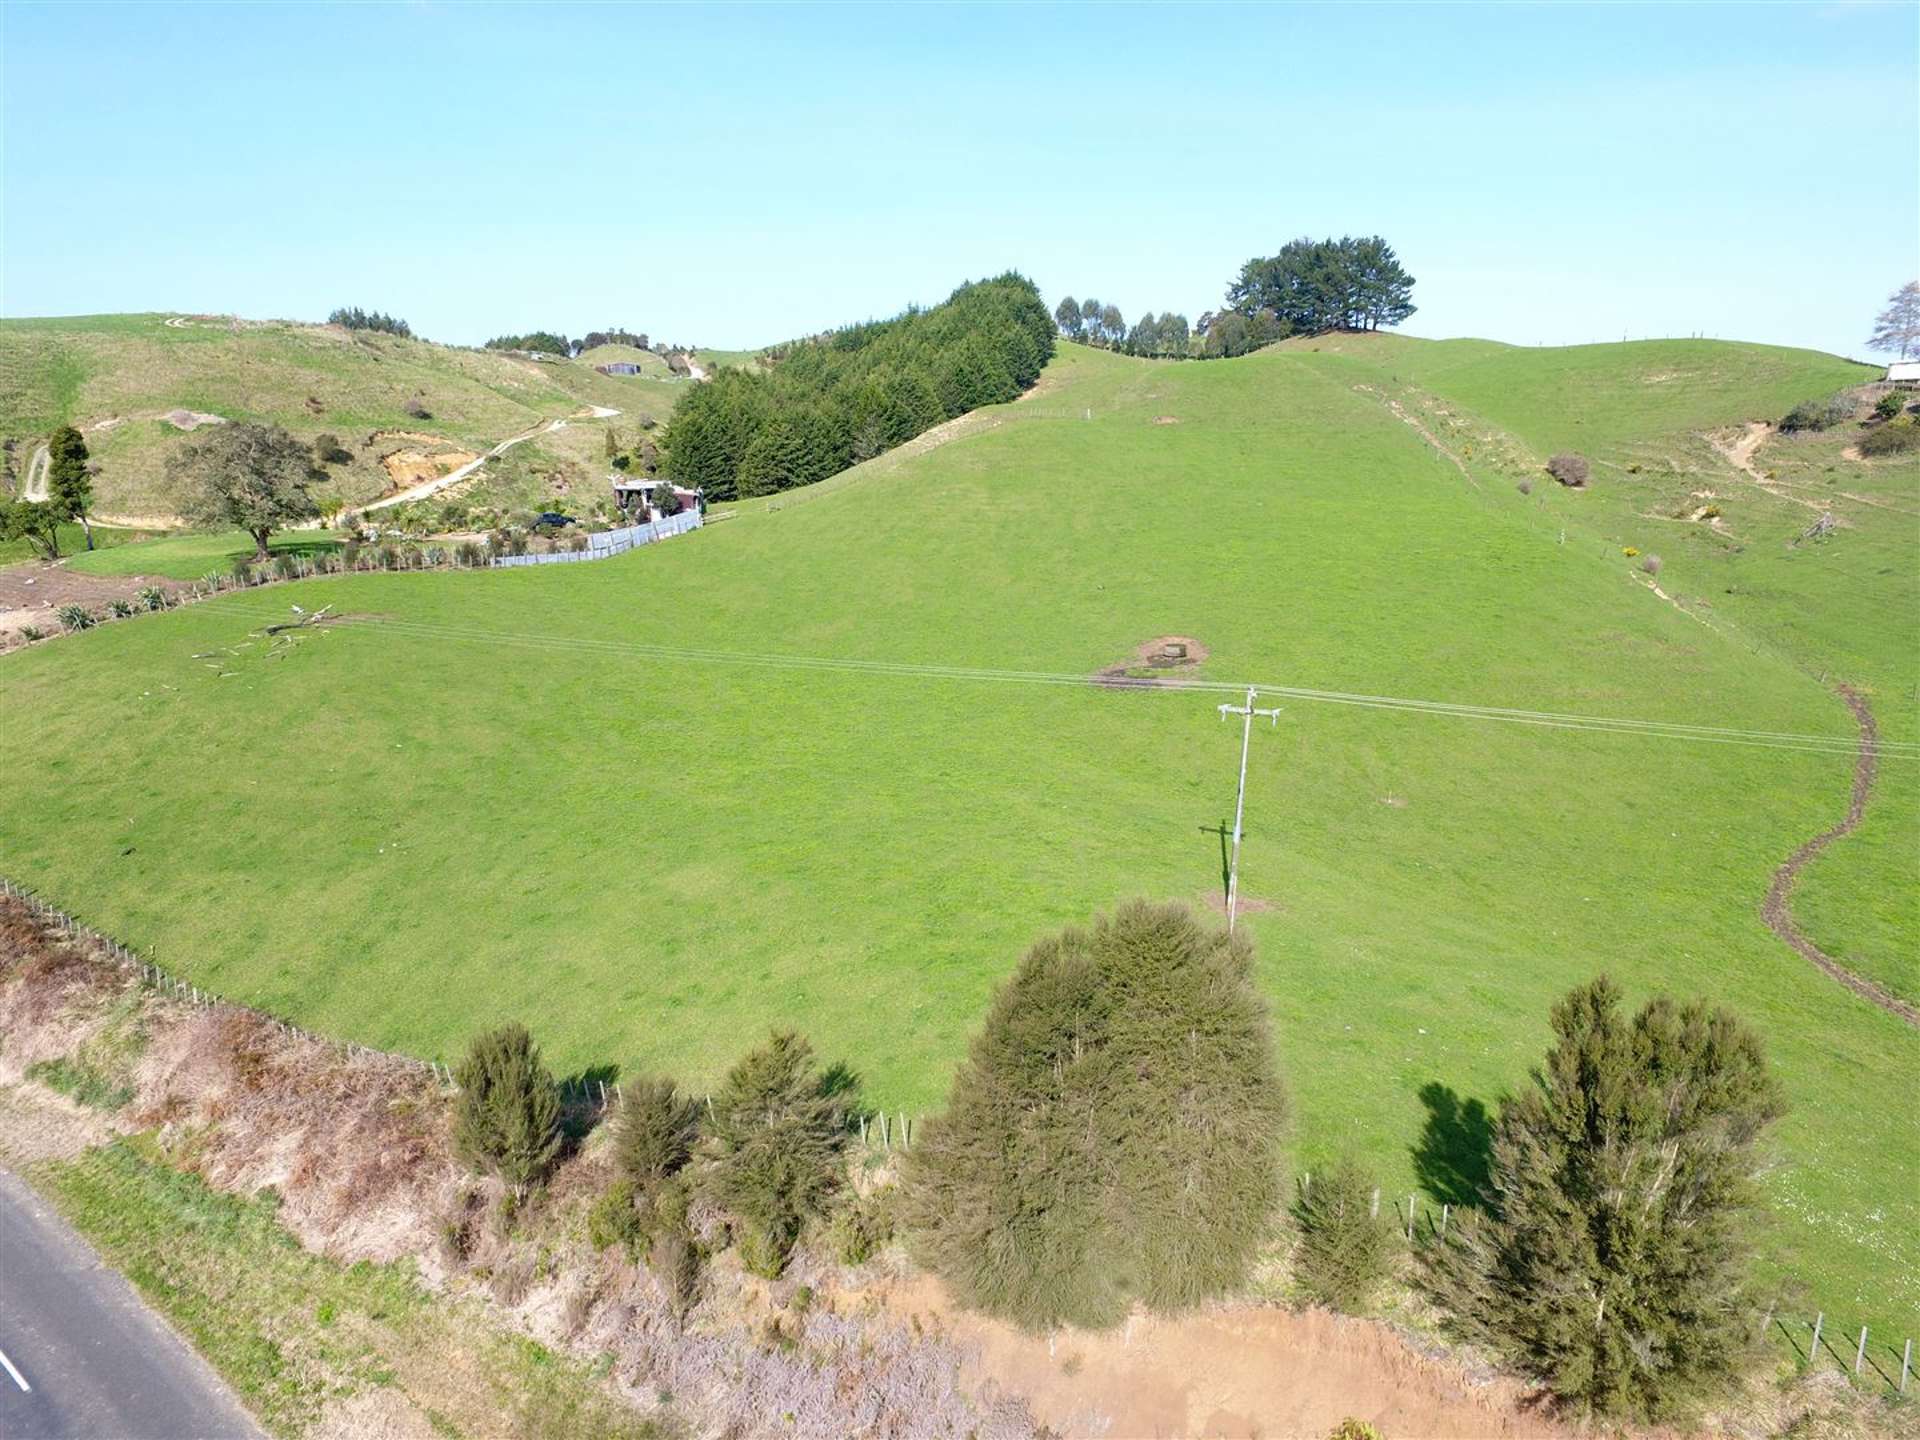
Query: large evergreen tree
point(1354, 283)
point(1609, 1260)
point(69, 480)
point(1113, 1135)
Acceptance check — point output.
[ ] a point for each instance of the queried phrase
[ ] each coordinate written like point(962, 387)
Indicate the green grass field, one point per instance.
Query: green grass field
point(73, 541)
point(114, 376)
point(192, 555)
point(503, 795)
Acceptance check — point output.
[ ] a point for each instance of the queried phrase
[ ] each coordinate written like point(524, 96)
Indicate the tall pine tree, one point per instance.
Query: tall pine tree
point(69, 484)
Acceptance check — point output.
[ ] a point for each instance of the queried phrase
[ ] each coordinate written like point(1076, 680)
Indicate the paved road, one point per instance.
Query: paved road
point(82, 1356)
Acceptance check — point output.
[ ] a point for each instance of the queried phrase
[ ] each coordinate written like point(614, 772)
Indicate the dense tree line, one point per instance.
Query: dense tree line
point(553, 342)
point(354, 318)
point(1311, 286)
point(815, 406)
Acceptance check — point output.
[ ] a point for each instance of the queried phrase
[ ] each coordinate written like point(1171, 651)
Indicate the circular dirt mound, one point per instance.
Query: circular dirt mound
point(1155, 661)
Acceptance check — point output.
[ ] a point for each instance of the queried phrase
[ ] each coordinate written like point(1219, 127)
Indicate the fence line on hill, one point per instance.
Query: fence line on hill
point(600, 1097)
point(1882, 1357)
point(605, 543)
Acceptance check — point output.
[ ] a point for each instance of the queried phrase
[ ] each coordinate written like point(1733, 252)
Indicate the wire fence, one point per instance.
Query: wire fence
point(1857, 1353)
point(595, 1094)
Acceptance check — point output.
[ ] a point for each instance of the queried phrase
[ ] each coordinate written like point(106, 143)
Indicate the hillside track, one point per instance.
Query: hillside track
point(1774, 909)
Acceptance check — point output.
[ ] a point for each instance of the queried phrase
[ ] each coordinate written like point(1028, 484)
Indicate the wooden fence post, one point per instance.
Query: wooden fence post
point(1413, 1202)
point(1374, 1209)
point(1860, 1355)
point(1906, 1364)
point(1818, 1320)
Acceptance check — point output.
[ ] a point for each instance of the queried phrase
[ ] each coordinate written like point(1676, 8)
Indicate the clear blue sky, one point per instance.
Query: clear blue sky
point(734, 175)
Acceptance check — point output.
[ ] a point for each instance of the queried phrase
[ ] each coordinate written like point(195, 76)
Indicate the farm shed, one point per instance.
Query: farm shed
point(1904, 374)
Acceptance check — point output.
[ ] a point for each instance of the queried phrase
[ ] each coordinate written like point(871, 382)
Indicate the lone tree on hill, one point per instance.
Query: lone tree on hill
point(1067, 316)
point(1113, 1135)
point(1610, 1259)
point(506, 1118)
point(69, 480)
point(1898, 326)
point(245, 477)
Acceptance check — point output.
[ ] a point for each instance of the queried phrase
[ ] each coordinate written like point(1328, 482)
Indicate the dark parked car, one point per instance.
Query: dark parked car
point(552, 519)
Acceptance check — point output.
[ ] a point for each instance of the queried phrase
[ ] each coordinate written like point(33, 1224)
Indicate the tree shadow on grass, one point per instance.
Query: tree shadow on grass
point(1454, 1159)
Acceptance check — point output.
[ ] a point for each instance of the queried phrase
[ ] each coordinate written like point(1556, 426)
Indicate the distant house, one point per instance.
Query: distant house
point(1904, 374)
point(618, 367)
point(633, 494)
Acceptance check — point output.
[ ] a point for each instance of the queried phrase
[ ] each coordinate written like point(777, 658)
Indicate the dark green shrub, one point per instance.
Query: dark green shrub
point(75, 617)
point(1113, 1135)
point(1896, 437)
point(1818, 414)
point(506, 1118)
point(466, 553)
point(153, 597)
point(1889, 405)
point(776, 1141)
point(654, 1132)
point(1613, 1267)
point(121, 608)
point(242, 573)
point(1345, 1248)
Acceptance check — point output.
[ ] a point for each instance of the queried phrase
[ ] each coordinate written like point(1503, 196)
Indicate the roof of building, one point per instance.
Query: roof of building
point(1904, 370)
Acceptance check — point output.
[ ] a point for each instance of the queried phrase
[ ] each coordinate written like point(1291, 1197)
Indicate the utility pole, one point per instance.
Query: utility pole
point(1240, 802)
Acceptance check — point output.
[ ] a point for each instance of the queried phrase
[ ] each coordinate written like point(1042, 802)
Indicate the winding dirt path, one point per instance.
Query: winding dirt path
point(1774, 908)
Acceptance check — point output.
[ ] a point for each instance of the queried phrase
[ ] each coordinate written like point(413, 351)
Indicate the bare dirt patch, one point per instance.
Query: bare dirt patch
point(191, 419)
point(30, 592)
point(1774, 909)
point(1226, 1371)
point(1166, 419)
point(1155, 662)
point(414, 467)
point(1216, 901)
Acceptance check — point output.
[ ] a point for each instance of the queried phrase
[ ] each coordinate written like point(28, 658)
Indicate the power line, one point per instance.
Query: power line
point(640, 649)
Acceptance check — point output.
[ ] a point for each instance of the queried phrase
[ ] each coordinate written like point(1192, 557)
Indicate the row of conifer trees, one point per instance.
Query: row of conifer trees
point(811, 408)
point(1113, 1140)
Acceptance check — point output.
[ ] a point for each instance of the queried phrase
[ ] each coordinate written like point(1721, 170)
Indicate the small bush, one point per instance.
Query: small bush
point(1345, 1249)
point(417, 408)
point(466, 553)
point(285, 566)
point(506, 1118)
point(1651, 564)
point(861, 1227)
point(1570, 469)
point(1629, 551)
point(242, 573)
point(1525, 487)
point(1889, 405)
point(350, 555)
point(327, 450)
point(121, 608)
point(1896, 437)
point(614, 1220)
point(654, 1133)
point(1352, 1428)
point(31, 633)
point(153, 597)
point(75, 617)
point(1818, 414)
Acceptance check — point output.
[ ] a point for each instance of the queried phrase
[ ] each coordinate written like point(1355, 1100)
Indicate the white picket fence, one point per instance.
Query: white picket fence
point(612, 542)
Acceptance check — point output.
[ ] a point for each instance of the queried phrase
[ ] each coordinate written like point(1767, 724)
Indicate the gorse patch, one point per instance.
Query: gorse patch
point(1114, 1133)
point(506, 1118)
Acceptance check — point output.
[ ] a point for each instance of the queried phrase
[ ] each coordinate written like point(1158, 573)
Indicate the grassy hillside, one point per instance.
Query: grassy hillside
point(524, 794)
point(1842, 609)
point(117, 376)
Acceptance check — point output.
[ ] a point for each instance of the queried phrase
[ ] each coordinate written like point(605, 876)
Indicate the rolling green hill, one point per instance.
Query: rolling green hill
point(831, 762)
point(117, 377)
